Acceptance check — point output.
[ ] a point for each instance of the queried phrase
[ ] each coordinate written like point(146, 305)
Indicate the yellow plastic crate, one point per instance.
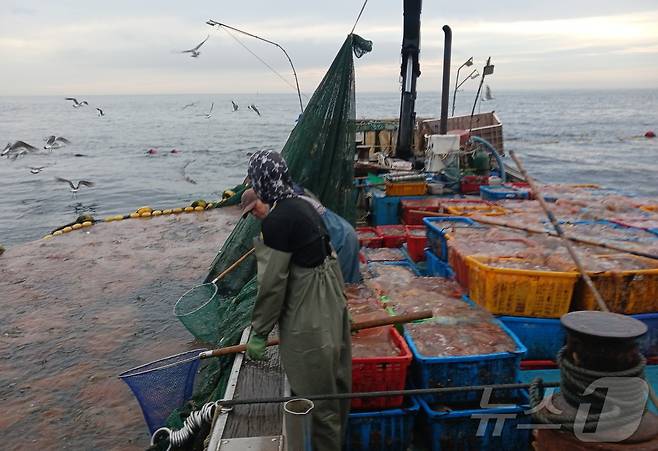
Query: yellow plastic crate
point(406, 188)
point(649, 208)
point(486, 210)
point(519, 292)
point(629, 292)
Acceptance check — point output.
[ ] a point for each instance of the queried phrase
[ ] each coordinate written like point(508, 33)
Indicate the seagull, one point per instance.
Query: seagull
point(253, 108)
point(195, 51)
point(189, 105)
point(100, 112)
point(17, 147)
point(36, 169)
point(75, 187)
point(55, 142)
point(77, 104)
point(487, 94)
point(235, 106)
point(209, 114)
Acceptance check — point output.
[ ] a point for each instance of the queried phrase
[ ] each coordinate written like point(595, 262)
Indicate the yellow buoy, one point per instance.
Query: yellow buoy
point(188, 209)
point(199, 208)
point(76, 226)
point(47, 237)
point(67, 229)
point(145, 209)
point(87, 224)
point(110, 218)
point(134, 215)
point(177, 210)
point(146, 214)
point(157, 213)
point(57, 232)
point(119, 217)
point(209, 206)
point(166, 211)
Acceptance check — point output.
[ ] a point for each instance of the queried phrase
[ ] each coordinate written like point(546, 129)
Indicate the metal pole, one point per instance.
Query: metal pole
point(212, 22)
point(454, 94)
point(445, 89)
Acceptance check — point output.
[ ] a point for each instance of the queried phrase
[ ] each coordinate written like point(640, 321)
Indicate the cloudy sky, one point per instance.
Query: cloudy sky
point(77, 47)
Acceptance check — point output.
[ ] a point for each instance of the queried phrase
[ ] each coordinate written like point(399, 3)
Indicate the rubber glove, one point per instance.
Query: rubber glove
point(256, 347)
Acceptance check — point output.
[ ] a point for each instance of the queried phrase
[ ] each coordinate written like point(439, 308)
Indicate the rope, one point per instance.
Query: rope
point(260, 59)
point(359, 16)
point(574, 380)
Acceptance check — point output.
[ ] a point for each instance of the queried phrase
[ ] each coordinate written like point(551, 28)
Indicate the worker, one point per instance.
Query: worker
point(342, 235)
point(300, 286)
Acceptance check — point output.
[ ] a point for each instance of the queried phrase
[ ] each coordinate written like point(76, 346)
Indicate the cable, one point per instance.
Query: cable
point(260, 59)
point(359, 16)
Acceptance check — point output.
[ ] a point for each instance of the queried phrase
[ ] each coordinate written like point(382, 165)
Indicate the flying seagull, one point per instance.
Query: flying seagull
point(77, 104)
point(100, 112)
point(36, 169)
point(55, 142)
point(487, 93)
point(209, 114)
point(189, 105)
point(235, 106)
point(195, 51)
point(75, 187)
point(16, 148)
point(253, 108)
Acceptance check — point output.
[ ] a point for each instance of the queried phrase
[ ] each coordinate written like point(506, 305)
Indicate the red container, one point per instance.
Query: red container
point(381, 374)
point(416, 244)
point(366, 239)
point(458, 265)
point(426, 204)
point(538, 365)
point(470, 184)
point(393, 235)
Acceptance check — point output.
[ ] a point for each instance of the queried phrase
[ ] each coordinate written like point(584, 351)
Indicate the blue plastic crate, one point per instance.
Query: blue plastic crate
point(543, 337)
point(382, 430)
point(649, 343)
point(498, 192)
point(434, 267)
point(475, 429)
point(455, 371)
point(436, 235)
point(386, 209)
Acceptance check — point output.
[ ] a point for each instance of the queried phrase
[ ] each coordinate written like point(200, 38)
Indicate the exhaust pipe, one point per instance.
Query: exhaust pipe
point(297, 424)
point(445, 90)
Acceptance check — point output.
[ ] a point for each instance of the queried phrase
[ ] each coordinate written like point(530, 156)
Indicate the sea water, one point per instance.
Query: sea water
point(562, 136)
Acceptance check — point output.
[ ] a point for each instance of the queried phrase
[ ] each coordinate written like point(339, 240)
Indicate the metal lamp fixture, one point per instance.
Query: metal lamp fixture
point(468, 63)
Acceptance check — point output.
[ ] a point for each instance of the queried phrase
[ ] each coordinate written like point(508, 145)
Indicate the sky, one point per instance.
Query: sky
point(84, 47)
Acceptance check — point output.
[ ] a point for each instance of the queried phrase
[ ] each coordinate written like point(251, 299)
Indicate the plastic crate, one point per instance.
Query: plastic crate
point(543, 337)
point(470, 184)
point(416, 244)
point(397, 255)
point(476, 428)
point(409, 206)
point(628, 292)
point(406, 188)
point(520, 292)
point(436, 267)
point(502, 192)
point(385, 209)
point(649, 343)
point(455, 371)
point(437, 236)
point(381, 374)
point(369, 242)
point(457, 263)
point(393, 235)
point(382, 430)
point(466, 207)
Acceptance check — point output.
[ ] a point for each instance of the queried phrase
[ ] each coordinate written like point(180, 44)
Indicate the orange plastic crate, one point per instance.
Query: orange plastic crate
point(406, 188)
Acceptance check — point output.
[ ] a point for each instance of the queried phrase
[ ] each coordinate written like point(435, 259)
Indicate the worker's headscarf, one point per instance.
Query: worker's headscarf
point(269, 176)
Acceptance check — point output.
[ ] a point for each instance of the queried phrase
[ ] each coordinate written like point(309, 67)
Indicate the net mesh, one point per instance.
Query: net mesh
point(198, 310)
point(163, 385)
point(320, 155)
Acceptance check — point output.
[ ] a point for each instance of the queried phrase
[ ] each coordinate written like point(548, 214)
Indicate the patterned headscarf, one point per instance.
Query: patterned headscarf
point(269, 176)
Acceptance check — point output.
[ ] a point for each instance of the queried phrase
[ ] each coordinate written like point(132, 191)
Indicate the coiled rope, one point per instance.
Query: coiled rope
point(574, 380)
point(193, 424)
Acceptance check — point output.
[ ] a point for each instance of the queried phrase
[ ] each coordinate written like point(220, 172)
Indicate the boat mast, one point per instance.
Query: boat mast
point(410, 71)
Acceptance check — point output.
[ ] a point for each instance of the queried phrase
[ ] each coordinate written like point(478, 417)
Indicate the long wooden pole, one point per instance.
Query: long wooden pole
point(542, 232)
point(558, 229)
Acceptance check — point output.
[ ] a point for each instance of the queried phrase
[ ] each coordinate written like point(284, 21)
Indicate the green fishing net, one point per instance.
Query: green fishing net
point(320, 155)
